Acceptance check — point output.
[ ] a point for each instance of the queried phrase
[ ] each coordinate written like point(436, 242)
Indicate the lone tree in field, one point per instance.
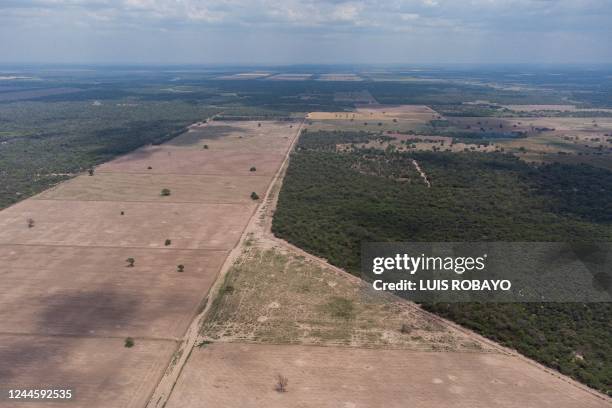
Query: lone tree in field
point(165, 192)
point(205, 147)
point(254, 196)
point(129, 342)
point(253, 169)
point(167, 242)
point(180, 268)
point(281, 383)
point(130, 262)
point(91, 171)
point(30, 223)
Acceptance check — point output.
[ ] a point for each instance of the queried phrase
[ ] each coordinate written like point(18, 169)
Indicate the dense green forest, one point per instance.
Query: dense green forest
point(332, 201)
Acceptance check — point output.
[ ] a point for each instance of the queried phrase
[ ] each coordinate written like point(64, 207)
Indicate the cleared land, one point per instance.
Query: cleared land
point(84, 291)
point(370, 118)
point(143, 225)
point(190, 161)
point(100, 371)
point(238, 375)
point(147, 187)
point(276, 296)
point(238, 136)
point(68, 297)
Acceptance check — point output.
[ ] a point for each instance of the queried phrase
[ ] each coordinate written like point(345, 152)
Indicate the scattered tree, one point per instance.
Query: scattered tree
point(149, 168)
point(130, 262)
point(129, 342)
point(91, 171)
point(122, 212)
point(180, 268)
point(281, 383)
point(205, 147)
point(165, 192)
point(254, 196)
point(30, 223)
point(167, 242)
point(253, 169)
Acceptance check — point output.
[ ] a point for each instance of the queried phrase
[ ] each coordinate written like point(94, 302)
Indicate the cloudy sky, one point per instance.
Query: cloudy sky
point(309, 31)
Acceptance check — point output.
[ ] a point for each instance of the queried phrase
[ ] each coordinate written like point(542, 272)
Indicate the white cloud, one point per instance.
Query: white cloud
point(453, 25)
point(314, 13)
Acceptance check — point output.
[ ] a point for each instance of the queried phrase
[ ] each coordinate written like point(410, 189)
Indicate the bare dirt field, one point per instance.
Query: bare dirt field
point(238, 136)
point(143, 225)
point(372, 118)
point(412, 112)
point(238, 375)
point(147, 187)
point(100, 371)
point(86, 291)
point(68, 297)
point(365, 112)
point(190, 161)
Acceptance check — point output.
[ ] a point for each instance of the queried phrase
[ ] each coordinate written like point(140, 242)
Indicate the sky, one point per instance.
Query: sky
point(310, 31)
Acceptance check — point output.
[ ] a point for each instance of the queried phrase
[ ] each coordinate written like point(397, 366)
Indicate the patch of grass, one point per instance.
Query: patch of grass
point(341, 308)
